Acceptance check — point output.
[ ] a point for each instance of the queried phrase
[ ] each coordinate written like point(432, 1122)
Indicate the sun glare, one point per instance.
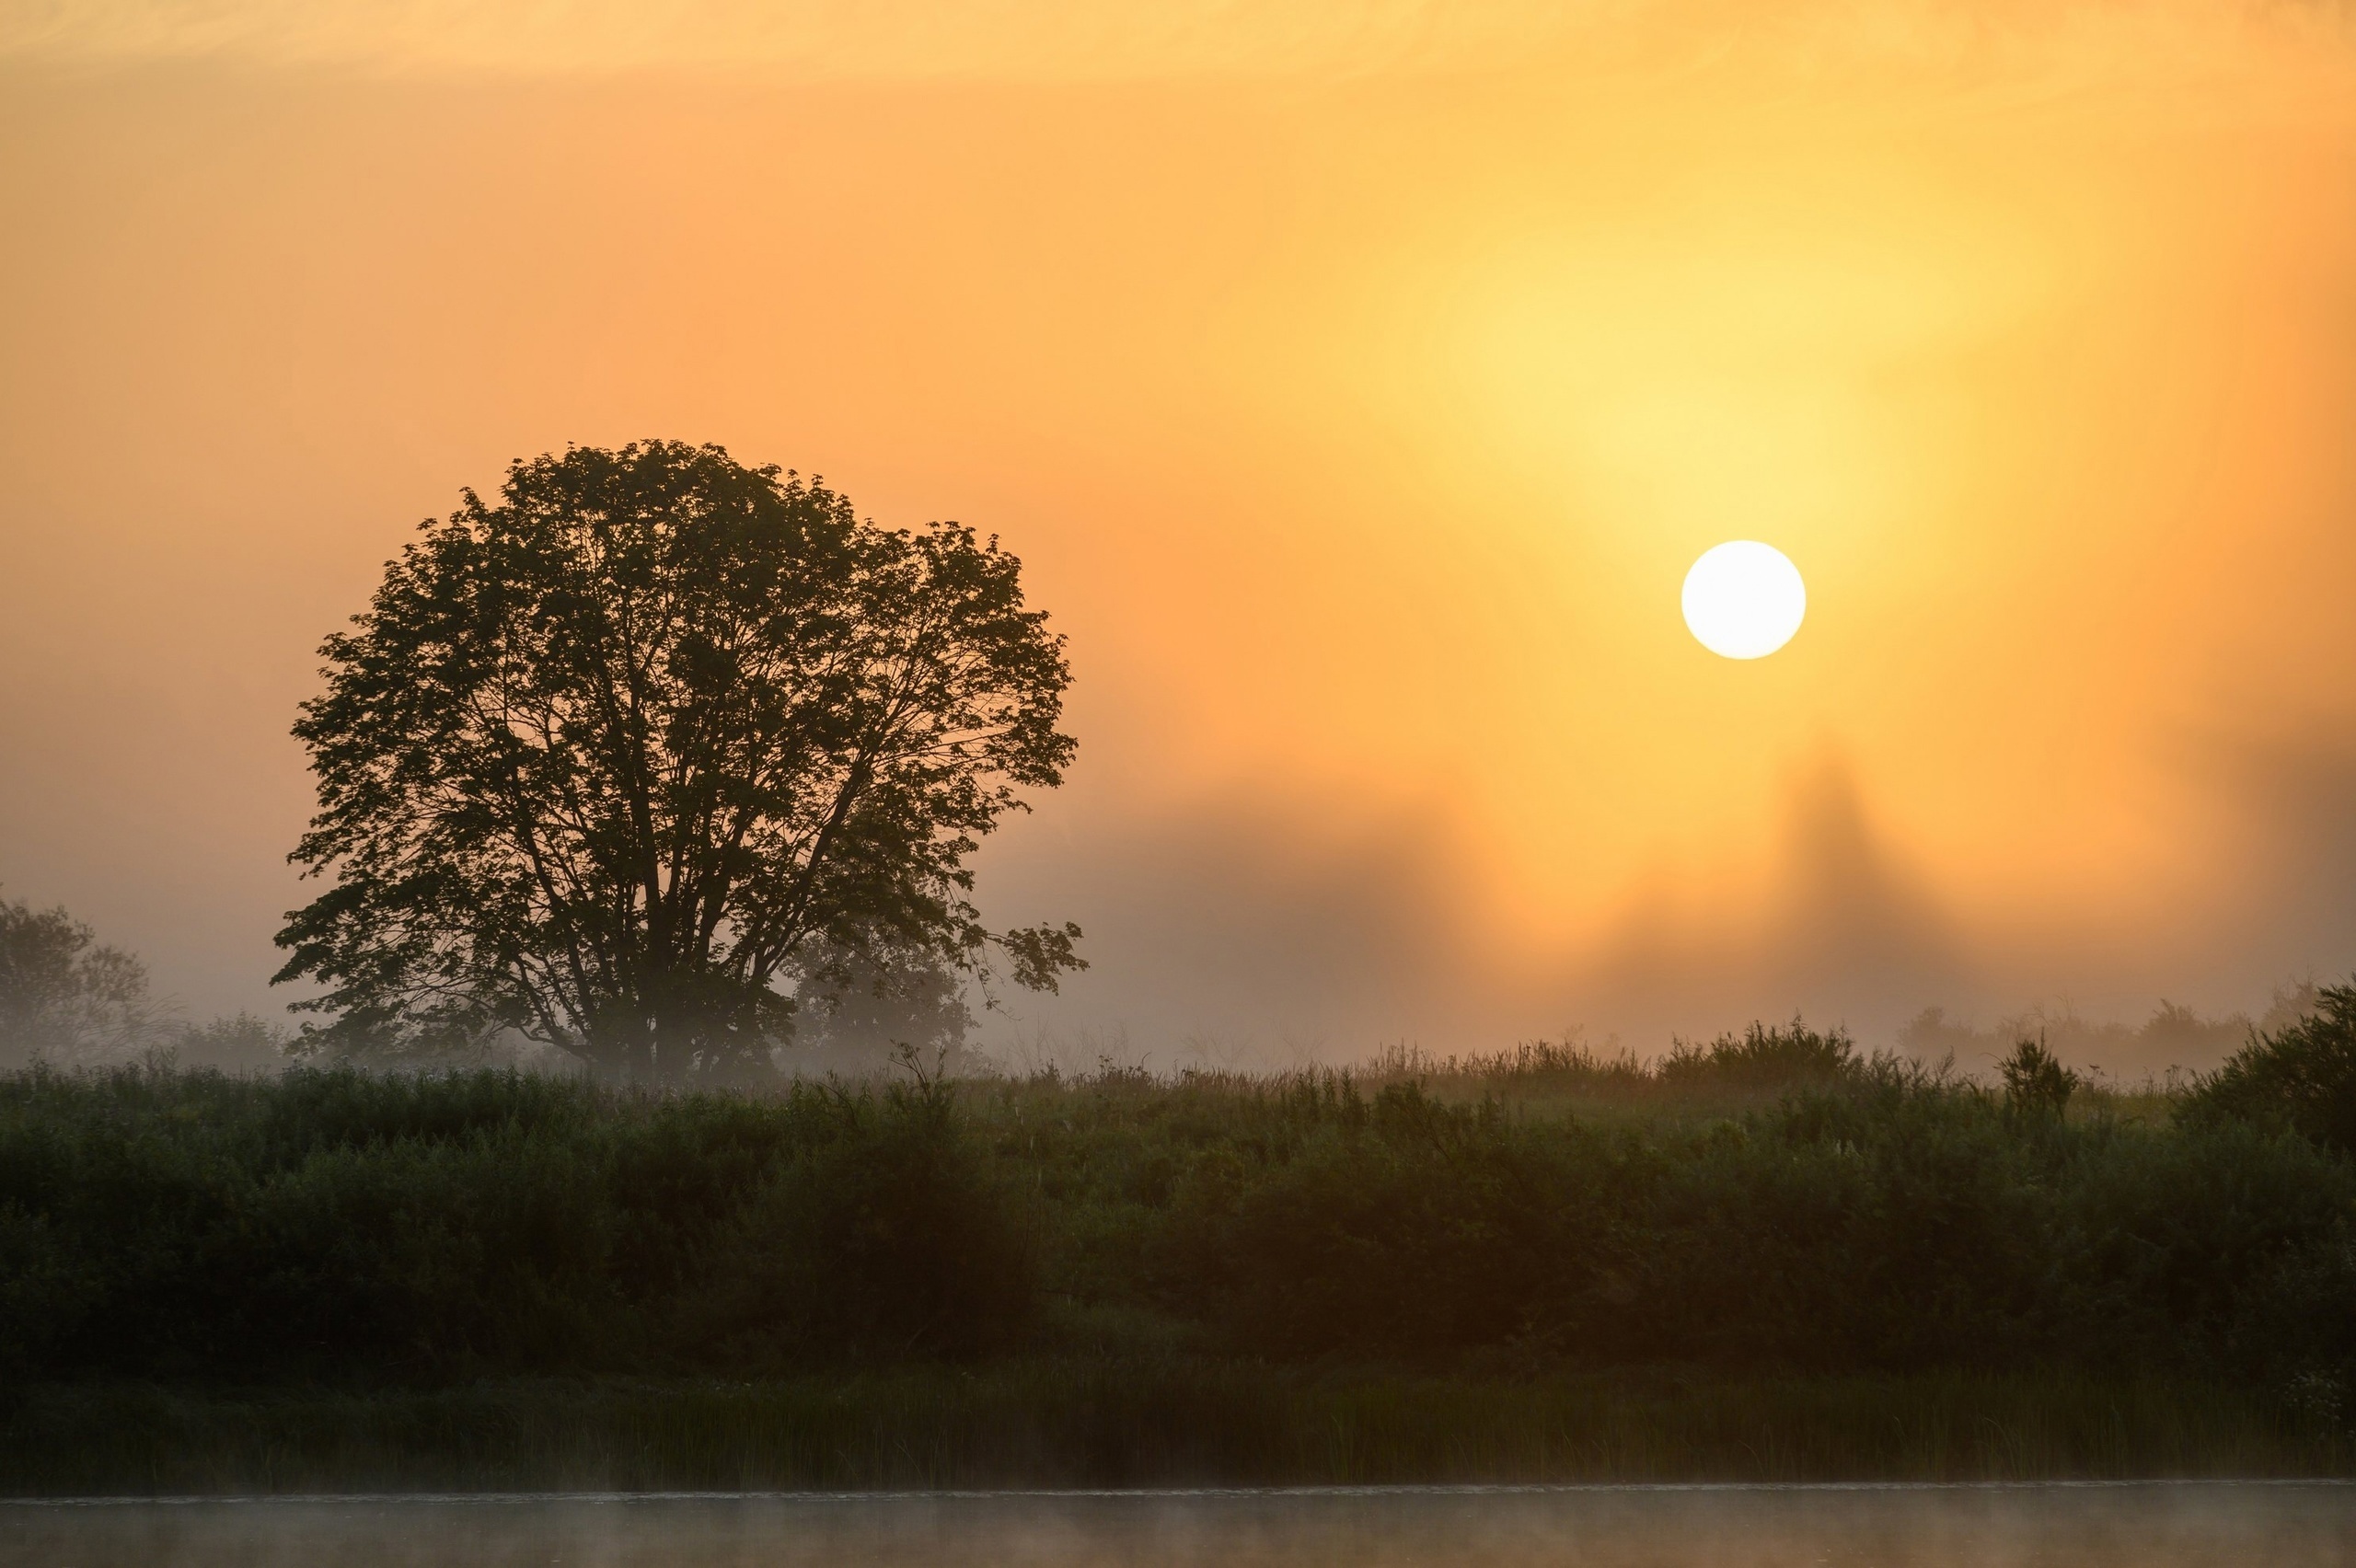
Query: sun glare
point(1744, 600)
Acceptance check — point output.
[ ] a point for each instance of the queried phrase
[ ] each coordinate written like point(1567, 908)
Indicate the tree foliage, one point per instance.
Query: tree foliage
point(2036, 1083)
point(2301, 1076)
point(614, 761)
point(855, 1013)
point(63, 992)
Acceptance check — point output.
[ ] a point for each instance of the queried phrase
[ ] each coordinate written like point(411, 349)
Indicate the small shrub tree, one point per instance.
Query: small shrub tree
point(1763, 1056)
point(2036, 1083)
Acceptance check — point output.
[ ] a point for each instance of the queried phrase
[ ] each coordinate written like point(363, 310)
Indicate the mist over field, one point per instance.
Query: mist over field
point(1356, 384)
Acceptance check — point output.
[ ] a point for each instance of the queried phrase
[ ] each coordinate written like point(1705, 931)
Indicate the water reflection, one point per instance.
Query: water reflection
point(2154, 1526)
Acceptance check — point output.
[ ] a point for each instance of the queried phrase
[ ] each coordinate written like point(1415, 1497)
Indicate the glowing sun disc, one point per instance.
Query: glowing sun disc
point(1744, 600)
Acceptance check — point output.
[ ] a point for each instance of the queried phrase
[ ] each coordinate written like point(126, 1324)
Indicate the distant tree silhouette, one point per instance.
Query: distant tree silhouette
point(855, 1011)
point(611, 762)
point(65, 994)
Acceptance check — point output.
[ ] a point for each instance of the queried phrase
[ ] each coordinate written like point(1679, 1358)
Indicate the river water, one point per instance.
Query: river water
point(2161, 1524)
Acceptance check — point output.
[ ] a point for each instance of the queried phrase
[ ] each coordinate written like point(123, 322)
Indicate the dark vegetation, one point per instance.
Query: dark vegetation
point(389, 1228)
point(1767, 1212)
point(2300, 1079)
point(623, 762)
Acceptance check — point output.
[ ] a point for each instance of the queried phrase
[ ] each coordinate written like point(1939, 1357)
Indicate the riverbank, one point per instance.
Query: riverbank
point(1175, 1423)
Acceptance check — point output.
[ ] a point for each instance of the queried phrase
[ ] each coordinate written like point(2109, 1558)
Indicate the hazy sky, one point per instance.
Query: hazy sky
point(1357, 382)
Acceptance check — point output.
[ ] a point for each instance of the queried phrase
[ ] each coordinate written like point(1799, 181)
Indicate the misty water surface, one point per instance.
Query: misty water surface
point(2149, 1525)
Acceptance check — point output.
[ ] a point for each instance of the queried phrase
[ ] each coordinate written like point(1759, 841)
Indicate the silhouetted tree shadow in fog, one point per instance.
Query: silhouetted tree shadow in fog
point(2174, 1038)
point(70, 1000)
point(854, 1013)
point(65, 995)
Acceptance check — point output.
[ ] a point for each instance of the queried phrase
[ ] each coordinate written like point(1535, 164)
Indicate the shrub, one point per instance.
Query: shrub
point(341, 1225)
point(1782, 1056)
point(889, 1238)
point(1889, 1221)
point(2302, 1076)
point(1399, 1228)
point(2036, 1083)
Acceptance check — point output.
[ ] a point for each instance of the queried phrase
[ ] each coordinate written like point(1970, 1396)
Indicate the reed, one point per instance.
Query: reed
point(1767, 1258)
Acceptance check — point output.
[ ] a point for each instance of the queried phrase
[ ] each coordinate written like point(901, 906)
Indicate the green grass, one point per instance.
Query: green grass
point(1078, 1423)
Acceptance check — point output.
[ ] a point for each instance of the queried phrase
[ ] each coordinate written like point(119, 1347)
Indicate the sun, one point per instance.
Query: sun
point(1744, 600)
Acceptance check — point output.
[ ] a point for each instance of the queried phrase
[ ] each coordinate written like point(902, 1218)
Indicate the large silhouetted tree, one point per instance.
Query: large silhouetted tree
point(614, 761)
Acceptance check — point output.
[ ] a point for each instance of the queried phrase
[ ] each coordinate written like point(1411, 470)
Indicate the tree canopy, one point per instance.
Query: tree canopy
point(63, 992)
point(624, 759)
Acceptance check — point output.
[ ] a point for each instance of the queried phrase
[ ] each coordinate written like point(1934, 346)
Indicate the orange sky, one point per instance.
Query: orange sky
point(1357, 383)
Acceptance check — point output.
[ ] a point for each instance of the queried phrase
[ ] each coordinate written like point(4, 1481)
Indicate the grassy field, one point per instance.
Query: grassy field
point(1765, 1259)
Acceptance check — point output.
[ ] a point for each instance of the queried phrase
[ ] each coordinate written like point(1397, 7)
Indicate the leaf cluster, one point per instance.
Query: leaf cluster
point(2301, 1076)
